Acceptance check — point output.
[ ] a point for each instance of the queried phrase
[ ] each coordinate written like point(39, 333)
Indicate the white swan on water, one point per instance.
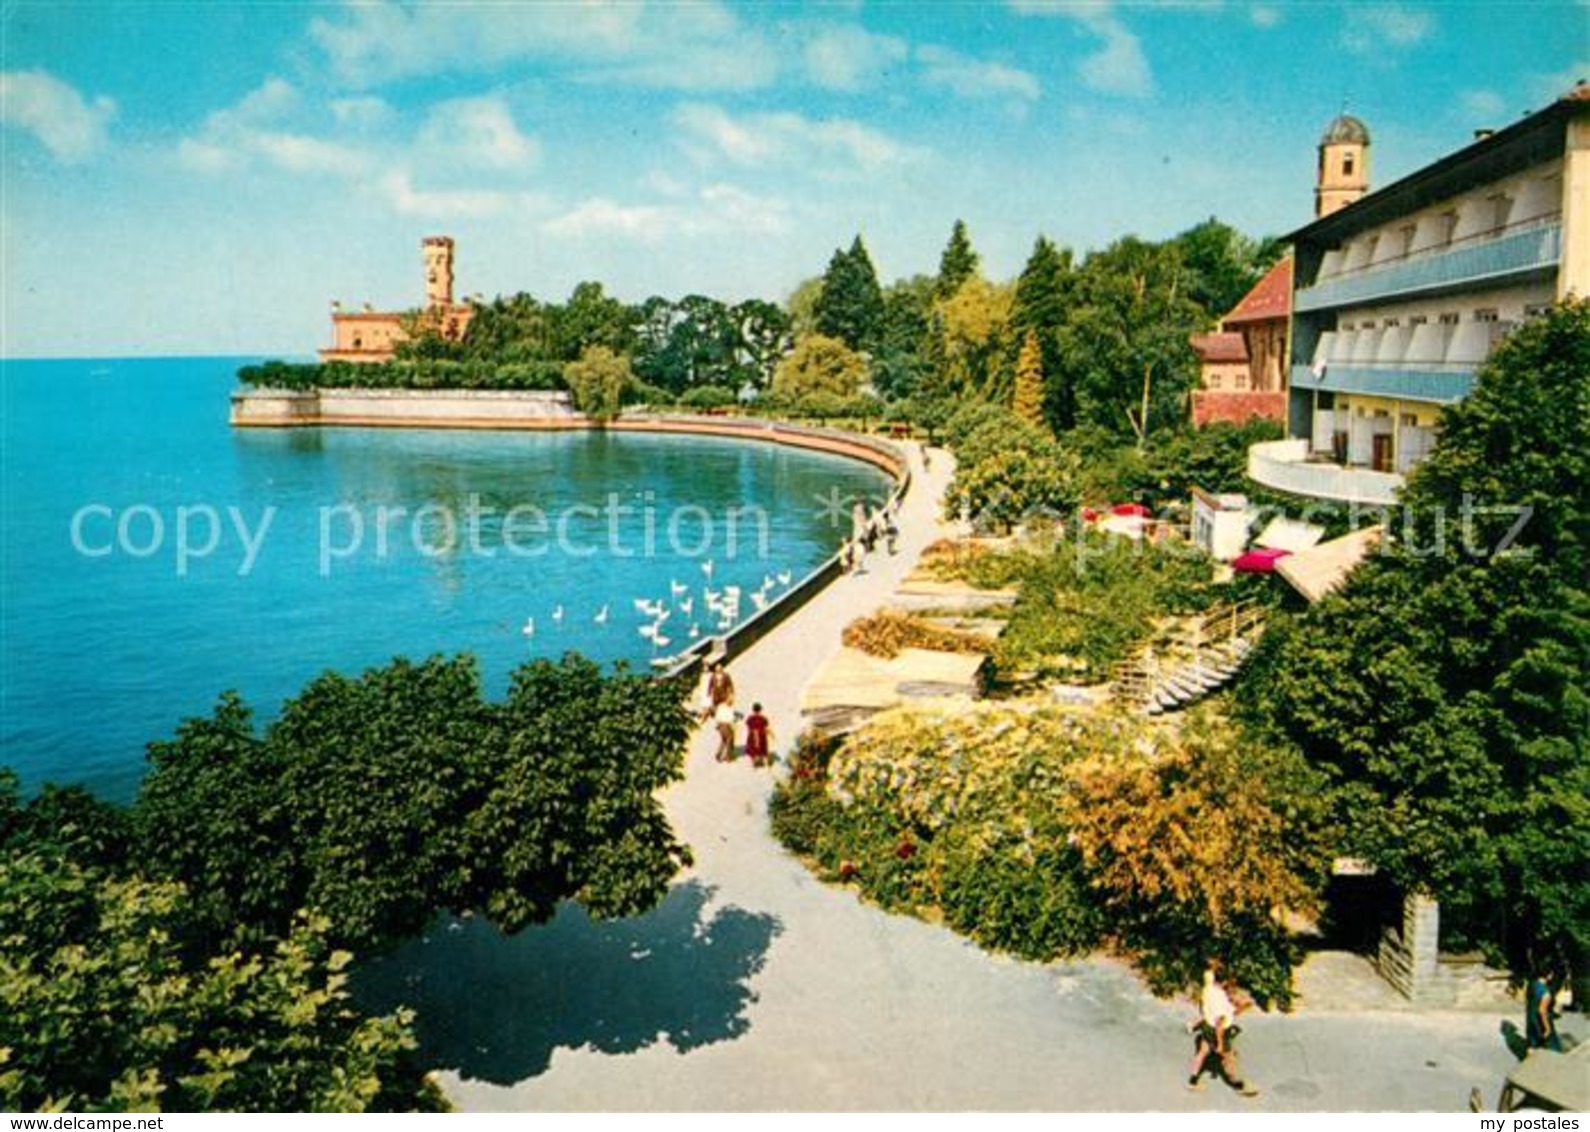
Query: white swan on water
point(529, 627)
point(601, 616)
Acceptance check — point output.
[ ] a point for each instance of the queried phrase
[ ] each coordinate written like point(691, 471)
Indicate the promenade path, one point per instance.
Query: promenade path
point(755, 987)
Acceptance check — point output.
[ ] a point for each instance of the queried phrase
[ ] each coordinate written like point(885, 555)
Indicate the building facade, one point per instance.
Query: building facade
point(1401, 295)
point(1242, 367)
point(374, 336)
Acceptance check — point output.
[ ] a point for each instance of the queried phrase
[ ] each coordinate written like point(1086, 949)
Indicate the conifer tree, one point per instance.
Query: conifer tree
point(1042, 298)
point(850, 307)
point(1028, 401)
point(957, 264)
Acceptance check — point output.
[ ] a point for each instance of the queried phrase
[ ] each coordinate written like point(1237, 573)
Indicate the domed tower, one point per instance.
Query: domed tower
point(438, 271)
point(1343, 165)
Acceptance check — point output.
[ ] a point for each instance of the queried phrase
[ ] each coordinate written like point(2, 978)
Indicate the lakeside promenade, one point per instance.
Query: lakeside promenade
point(756, 987)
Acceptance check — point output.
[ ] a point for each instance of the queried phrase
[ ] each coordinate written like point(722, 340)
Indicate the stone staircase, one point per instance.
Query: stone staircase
point(1188, 660)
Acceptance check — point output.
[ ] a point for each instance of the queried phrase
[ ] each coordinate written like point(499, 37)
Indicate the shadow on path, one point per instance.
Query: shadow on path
point(494, 1007)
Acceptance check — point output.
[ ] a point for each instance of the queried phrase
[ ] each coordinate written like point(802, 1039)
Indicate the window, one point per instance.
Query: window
point(1487, 314)
point(1382, 414)
point(1410, 420)
point(1347, 164)
point(1501, 209)
point(1407, 232)
point(1418, 319)
point(1536, 310)
point(1449, 318)
point(1449, 223)
point(1388, 323)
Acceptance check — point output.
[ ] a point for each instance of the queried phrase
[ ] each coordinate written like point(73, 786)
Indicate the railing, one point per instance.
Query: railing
point(1527, 246)
point(1284, 466)
point(1440, 382)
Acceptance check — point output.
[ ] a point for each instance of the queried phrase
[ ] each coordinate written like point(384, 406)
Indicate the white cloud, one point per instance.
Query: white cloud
point(67, 125)
point(972, 78)
point(733, 209)
point(362, 112)
point(697, 46)
point(258, 131)
point(1545, 88)
point(849, 58)
point(834, 145)
point(476, 133)
point(599, 216)
point(1119, 65)
point(456, 204)
point(1370, 29)
point(1264, 15)
point(1484, 105)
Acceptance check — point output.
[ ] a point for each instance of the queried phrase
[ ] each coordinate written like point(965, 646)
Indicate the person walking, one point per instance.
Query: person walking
point(723, 718)
point(1216, 1030)
point(1540, 1012)
point(720, 690)
point(757, 737)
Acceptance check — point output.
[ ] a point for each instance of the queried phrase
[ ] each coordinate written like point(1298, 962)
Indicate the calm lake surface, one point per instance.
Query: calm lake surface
point(151, 556)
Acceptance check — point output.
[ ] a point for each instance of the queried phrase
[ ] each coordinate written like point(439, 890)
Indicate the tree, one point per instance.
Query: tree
point(1223, 264)
point(763, 336)
point(850, 307)
point(403, 791)
point(1009, 470)
point(902, 357)
point(109, 1001)
point(1028, 403)
point(1041, 306)
point(972, 325)
point(592, 318)
point(819, 364)
point(598, 382)
point(957, 263)
point(1124, 348)
point(1445, 687)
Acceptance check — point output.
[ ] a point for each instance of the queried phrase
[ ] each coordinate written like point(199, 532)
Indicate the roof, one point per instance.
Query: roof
point(1531, 141)
point(1318, 570)
point(1270, 298)
point(1289, 534)
point(1345, 129)
point(1220, 347)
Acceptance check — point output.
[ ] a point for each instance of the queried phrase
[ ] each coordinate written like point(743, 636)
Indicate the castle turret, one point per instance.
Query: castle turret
point(1343, 165)
point(438, 271)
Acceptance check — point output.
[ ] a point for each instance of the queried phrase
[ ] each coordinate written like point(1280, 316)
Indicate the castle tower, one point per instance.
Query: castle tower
point(438, 271)
point(1343, 165)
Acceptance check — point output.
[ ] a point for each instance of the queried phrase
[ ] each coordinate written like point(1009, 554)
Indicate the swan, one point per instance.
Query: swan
point(601, 616)
point(529, 627)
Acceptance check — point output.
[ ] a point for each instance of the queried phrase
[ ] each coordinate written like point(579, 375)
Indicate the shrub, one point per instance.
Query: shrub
point(708, 397)
point(888, 631)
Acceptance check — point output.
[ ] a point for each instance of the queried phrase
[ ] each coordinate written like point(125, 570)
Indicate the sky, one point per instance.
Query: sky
point(204, 178)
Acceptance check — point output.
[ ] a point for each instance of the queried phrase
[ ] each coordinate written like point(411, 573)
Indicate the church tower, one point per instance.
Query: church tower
point(1343, 165)
point(438, 271)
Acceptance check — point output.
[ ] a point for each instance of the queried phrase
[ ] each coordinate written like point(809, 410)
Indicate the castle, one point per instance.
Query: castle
point(374, 336)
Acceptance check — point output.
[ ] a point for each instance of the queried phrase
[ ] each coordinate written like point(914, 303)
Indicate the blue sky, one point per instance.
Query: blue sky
point(206, 177)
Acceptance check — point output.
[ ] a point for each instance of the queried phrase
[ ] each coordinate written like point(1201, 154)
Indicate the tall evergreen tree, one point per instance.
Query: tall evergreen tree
point(1028, 401)
point(957, 264)
point(1042, 299)
point(850, 307)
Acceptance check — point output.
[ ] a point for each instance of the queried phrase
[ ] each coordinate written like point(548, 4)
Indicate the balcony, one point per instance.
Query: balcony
point(1284, 466)
point(1488, 257)
point(1440, 382)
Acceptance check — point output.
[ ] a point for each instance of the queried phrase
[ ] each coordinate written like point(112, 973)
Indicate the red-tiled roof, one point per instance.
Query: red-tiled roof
point(1270, 298)
point(1220, 347)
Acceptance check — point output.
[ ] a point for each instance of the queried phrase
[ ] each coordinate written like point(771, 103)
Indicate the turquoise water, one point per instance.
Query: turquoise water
point(118, 474)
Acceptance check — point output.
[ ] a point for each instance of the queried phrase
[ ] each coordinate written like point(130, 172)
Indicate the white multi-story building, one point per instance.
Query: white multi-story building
point(1401, 295)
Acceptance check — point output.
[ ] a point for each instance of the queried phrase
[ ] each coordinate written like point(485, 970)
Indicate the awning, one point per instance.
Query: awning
point(1258, 561)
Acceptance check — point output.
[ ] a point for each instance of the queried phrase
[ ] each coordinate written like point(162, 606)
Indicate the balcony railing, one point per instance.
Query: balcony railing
point(1529, 246)
point(1284, 466)
point(1441, 382)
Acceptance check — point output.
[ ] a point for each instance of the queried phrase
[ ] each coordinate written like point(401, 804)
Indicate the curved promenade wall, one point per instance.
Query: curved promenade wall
point(502, 409)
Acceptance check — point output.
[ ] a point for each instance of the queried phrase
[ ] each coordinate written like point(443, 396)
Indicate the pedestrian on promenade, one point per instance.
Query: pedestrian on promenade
point(1216, 1031)
point(720, 689)
point(757, 736)
point(1540, 1012)
point(723, 717)
point(891, 534)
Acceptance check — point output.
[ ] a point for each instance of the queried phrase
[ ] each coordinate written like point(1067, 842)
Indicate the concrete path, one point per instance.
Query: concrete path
point(755, 987)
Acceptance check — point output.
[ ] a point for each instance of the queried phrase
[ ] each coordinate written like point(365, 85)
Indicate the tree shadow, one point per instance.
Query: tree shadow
point(1514, 1039)
point(494, 1007)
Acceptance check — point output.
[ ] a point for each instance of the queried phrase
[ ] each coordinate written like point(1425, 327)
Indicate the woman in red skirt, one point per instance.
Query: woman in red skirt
point(756, 737)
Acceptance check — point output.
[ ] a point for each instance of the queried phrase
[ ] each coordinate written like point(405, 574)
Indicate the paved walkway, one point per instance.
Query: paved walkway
point(756, 987)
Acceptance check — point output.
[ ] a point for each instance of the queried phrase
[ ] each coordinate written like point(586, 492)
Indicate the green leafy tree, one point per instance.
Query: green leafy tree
point(1008, 470)
point(598, 382)
point(392, 789)
point(902, 358)
point(957, 263)
point(1223, 264)
point(972, 326)
point(850, 306)
point(1444, 688)
point(819, 364)
point(591, 317)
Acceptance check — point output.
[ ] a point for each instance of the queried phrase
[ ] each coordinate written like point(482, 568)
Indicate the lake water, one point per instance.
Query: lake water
point(151, 556)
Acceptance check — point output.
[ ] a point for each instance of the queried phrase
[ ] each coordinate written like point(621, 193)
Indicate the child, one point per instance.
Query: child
point(756, 737)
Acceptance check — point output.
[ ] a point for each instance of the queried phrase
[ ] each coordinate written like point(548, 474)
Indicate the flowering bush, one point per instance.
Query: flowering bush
point(888, 631)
